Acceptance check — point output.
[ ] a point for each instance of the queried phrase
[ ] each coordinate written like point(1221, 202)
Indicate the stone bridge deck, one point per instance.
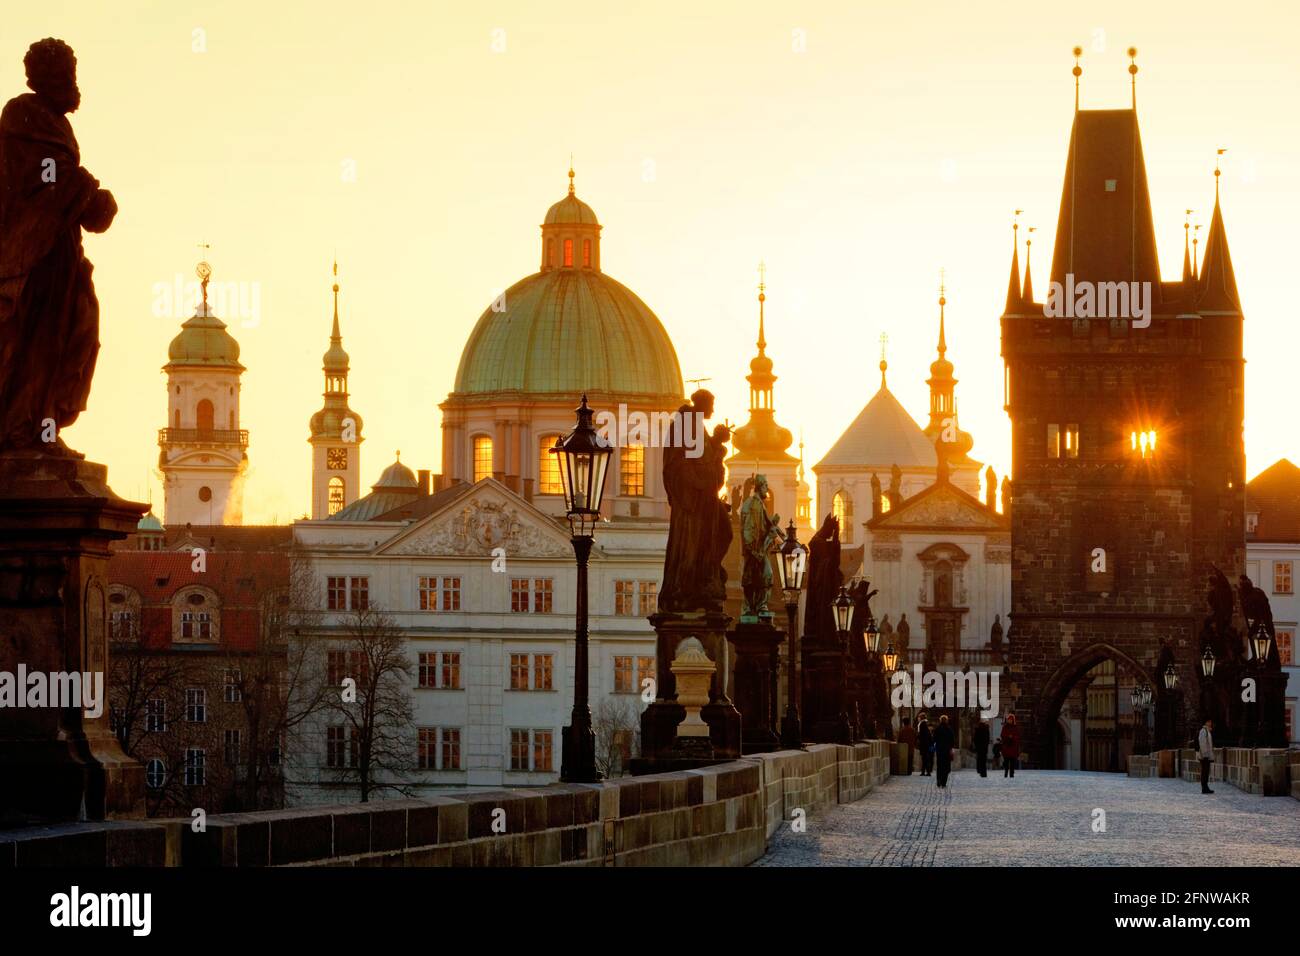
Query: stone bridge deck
point(1045, 818)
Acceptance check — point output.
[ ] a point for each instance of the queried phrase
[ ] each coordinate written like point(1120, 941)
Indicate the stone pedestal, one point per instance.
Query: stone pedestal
point(824, 713)
point(757, 645)
point(659, 721)
point(57, 517)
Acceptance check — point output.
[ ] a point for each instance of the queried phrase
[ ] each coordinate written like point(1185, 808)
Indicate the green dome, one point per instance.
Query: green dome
point(149, 522)
point(570, 209)
point(396, 475)
point(328, 422)
point(568, 331)
point(203, 340)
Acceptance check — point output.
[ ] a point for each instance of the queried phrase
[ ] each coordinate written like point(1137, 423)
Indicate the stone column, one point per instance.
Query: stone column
point(57, 517)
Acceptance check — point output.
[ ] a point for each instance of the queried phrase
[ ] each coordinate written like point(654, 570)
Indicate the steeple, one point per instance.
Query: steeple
point(1013, 284)
point(1187, 251)
point(884, 365)
point(335, 361)
point(335, 430)
point(761, 439)
point(1218, 282)
point(1028, 294)
point(943, 402)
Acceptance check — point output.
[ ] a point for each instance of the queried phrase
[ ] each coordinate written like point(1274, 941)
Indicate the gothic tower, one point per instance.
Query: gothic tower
point(1125, 394)
point(203, 454)
point(335, 432)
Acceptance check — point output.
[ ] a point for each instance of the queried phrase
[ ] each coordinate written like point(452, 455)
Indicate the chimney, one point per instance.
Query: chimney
point(422, 478)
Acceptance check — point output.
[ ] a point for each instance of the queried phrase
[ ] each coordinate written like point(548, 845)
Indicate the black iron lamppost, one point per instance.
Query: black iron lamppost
point(584, 464)
point(1262, 644)
point(844, 611)
point(791, 568)
point(1141, 700)
point(1171, 678)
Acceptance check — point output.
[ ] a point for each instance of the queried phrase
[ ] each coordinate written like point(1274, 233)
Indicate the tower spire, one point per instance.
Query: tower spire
point(1028, 294)
point(570, 174)
point(1133, 74)
point(1077, 71)
point(1013, 285)
point(1187, 254)
point(336, 337)
point(1218, 282)
point(884, 340)
point(943, 300)
point(762, 297)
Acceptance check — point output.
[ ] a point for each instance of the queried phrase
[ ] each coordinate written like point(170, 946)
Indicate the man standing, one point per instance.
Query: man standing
point(982, 748)
point(907, 737)
point(1010, 746)
point(943, 751)
point(1205, 746)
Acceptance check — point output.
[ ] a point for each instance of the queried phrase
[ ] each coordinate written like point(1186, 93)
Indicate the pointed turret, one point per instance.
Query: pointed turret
point(1013, 284)
point(1187, 254)
point(1218, 282)
point(1027, 294)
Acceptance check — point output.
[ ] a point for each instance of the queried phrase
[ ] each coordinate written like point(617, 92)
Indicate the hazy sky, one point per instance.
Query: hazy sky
point(857, 157)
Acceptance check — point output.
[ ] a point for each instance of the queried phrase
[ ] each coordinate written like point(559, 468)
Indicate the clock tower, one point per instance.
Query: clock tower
point(335, 433)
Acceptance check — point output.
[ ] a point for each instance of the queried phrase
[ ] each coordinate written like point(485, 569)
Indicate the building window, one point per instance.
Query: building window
point(519, 672)
point(428, 748)
point(624, 591)
point(623, 675)
point(231, 743)
point(542, 748)
point(482, 457)
point(568, 252)
point(337, 752)
point(1252, 522)
point(359, 594)
point(542, 665)
point(1281, 577)
point(451, 594)
point(1072, 441)
point(428, 673)
point(542, 591)
point(231, 686)
point(1053, 441)
point(586, 253)
point(195, 767)
point(645, 671)
point(155, 774)
point(842, 508)
point(204, 415)
point(121, 625)
point(518, 595)
point(155, 716)
point(336, 594)
point(649, 597)
point(451, 748)
point(1143, 443)
point(335, 502)
point(196, 625)
point(548, 467)
point(451, 670)
point(196, 705)
point(631, 470)
point(335, 668)
point(518, 750)
point(428, 594)
point(446, 677)
point(1286, 646)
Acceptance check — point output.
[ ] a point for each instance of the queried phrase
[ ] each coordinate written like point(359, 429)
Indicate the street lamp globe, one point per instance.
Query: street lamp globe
point(1135, 697)
point(843, 608)
point(1145, 691)
point(1207, 662)
point(1171, 678)
point(584, 464)
point(890, 659)
point(793, 566)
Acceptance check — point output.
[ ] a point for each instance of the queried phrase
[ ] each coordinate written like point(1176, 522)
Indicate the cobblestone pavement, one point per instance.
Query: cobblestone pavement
point(1046, 818)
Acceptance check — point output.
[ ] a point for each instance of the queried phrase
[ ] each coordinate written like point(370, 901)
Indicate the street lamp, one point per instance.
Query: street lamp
point(842, 606)
point(1207, 662)
point(871, 634)
point(584, 464)
point(1171, 678)
point(791, 569)
point(890, 659)
point(1262, 642)
point(1141, 699)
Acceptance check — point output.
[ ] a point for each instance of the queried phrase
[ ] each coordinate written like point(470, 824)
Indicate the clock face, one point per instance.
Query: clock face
point(336, 459)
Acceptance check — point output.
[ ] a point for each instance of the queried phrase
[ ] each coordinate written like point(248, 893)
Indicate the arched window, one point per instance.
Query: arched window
point(203, 413)
point(586, 253)
point(943, 584)
point(196, 616)
point(568, 252)
point(155, 774)
point(631, 470)
point(548, 467)
point(482, 457)
point(335, 503)
point(842, 508)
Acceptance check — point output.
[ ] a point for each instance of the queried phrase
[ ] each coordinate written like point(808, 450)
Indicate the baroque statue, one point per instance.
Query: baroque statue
point(824, 579)
point(759, 533)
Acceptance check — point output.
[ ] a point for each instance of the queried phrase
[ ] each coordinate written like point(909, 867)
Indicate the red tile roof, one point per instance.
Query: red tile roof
point(1275, 494)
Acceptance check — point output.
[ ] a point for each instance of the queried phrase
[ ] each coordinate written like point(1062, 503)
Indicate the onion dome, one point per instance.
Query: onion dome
point(570, 210)
point(203, 339)
point(149, 522)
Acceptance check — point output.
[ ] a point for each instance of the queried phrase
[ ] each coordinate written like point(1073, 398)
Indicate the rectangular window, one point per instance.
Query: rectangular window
point(428, 669)
point(155, 716)
point(542, 589)
point(482, 457)
point(231, 688)
point(542, 672)
point(518, 595)
point(451, 748)
point(358, 668)
point(451, 594)
point(649, 598)
point(645, 671)
point(451, 670)
point(586, 253)
point(519, 672)
point(336, 667)
point(542, 745)
point(1071, 441)
point(359, 594)
point(631, 470)
point(568, 252)
point(335, 747)
point(623, 597)
point(623, 675)
point(427, 593)
point(336, 591)
point(231, 742)
point(196, 705)
point(1053, 441)
point(121, 625)
point(428, 748)
point(1281, 577)
point(518, 750)
point(195, 767)
point(1286, 646)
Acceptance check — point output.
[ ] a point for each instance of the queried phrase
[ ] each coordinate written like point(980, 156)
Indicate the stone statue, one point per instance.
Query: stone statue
point(49, 316)
point(904, 633)
point(886, 632)
point(824, 579)
point(895, 486)
point(759, 531)
point(1006, 494)
point(995, 634)
point(990, 489)
point(876, 507)
point(699, 527)
point(1255, 608)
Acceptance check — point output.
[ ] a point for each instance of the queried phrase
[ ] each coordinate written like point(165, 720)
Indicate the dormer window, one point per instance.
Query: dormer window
point(568, 253)
point(1252, 522)
point(586, 253)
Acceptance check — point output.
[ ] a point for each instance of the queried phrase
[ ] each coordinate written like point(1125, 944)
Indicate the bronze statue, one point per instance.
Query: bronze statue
point(49, 316)
point(759, 531)
point(824, 579)
point(699, 527)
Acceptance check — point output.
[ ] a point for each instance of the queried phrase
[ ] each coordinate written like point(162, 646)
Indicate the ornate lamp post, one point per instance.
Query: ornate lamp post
point(844, 610)
point(1261, 643)
point(1171, 678)
point(889, 659)
point(584, 463)
point(791, 568)
point(1141, 700)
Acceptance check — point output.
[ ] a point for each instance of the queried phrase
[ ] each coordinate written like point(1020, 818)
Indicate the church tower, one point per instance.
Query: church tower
point(1125, 394)
point(335, 432)
point(204, 453)
point(943, 408)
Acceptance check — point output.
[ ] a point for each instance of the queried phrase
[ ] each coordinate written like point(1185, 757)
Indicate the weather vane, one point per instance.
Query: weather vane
point(204, 272)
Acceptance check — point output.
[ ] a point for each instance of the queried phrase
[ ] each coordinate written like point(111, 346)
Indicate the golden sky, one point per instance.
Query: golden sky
point(857, 158)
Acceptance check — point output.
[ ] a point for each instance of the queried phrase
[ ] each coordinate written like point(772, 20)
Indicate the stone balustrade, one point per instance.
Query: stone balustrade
point(1266, 771)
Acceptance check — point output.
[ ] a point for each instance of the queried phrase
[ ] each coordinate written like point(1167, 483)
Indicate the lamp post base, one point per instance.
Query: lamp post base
point(790, 732)
point(578, 760)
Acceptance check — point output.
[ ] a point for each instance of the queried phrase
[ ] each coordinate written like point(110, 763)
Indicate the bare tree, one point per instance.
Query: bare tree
point(617, 725)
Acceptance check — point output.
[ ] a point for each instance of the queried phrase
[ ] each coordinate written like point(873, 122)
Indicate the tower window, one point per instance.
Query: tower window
point(178, 417)
point(482, 457)
point(1143, 443)
point(631, 470)
point(842, 508)
point(336, 487)
point(1053, 441)
point(568, 252)
point(550, 252)
point(1072, 441)
point(548, 467)
point(203, 413)
point(586, 253)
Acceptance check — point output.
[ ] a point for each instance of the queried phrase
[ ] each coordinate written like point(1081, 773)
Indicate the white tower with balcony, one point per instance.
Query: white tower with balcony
point(204, 453)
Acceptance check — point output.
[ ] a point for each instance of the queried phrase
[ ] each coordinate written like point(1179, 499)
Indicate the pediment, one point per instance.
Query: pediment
point(942, 507)
point(476, 524)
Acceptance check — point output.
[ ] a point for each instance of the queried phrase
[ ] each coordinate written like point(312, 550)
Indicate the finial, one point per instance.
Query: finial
point(399, 454)
point(884, 340)
point(762, 297)
point(204, 272)
point(943, 300)
point(1217, 173)
point(1133, 73)
point(1196, 239)
point(1078, 72)
point(570, 174)
point(334, 334)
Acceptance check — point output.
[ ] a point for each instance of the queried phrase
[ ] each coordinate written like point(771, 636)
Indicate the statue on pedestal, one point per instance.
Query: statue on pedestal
point(995, 635)
point(824, 579)
point(904, 633)
point(49, 316)
point(759, 532)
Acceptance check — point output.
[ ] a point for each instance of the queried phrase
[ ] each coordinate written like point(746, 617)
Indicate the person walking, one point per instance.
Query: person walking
point(1205, 747)
point(982, 748)
point(944, 742)
point(925, 743)
point(907, 735)
point(1010, 746)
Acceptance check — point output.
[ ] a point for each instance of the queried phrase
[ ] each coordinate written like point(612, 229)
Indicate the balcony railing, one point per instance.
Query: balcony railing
point(967, 655)
point(204, 436)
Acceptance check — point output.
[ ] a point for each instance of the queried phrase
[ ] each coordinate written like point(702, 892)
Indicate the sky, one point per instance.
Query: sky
point(855, 148)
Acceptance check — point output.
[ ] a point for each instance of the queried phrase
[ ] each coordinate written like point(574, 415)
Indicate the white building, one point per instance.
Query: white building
point(1272, 559)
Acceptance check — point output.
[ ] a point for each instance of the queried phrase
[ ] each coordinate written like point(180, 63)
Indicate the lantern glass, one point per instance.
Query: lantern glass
point(1146, 694)
point(843, 608)
point(1135, 698)
point(890, 659)
point(1261, 644)
point(793, 564)
point(1207, 662)
point(1171, 677)
point(871, 635)
point(583, 458)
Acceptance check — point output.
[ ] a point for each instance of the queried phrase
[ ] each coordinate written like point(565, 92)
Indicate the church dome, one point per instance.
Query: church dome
point(568, 331)
point(203, 340)
point(570, 209)
point(328, 422)
point(396, 475)
point(149, 522)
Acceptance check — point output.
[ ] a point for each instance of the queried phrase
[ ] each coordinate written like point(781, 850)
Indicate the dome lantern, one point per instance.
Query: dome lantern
point(570, 234)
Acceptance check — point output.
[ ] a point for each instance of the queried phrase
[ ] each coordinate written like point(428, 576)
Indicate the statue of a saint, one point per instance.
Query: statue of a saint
point(824, 579)
point(995, 633)
point(49, 316)
point(699, 527)
point(759, 531)
point(904, 633)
